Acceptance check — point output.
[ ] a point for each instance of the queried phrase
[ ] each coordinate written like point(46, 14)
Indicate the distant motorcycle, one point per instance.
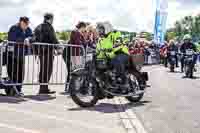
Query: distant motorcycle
point(172, 60)
point(189, 63)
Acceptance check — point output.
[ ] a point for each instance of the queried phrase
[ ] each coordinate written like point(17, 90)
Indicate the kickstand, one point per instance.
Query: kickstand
point(17, 92)
point(67, 88)
point(67, 85)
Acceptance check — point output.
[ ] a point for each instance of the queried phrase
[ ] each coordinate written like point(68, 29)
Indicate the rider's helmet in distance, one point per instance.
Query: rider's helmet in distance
point(171, 42)
point(187, 37)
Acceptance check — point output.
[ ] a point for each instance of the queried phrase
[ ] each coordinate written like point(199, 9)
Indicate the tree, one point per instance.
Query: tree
point(188, 25)
point(170, 35)
point(3, 36)
point(146, 35)
point(63, 35)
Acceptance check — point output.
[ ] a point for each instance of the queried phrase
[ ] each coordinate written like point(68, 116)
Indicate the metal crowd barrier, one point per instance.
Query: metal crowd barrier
point(39, 63)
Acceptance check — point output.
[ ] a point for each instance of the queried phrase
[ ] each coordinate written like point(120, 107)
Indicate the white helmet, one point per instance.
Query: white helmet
point(107, 26)
point(187, 37)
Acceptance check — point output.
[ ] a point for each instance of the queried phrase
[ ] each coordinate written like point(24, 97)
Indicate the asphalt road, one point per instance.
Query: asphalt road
point(57, 113)
point(171, 104)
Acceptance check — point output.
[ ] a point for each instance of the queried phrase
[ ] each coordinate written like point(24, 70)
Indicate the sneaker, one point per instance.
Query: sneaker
point(182, 70)
point(47, 92)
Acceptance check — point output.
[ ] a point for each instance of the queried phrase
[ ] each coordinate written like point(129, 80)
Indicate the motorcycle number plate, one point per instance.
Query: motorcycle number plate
point(173, 53)
point(190, 58)
point(173, 59)
point(189, 52)
point(10, 48)
point(89, 57)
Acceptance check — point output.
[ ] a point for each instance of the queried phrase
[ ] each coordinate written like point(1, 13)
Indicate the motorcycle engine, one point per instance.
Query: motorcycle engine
point(115, 79)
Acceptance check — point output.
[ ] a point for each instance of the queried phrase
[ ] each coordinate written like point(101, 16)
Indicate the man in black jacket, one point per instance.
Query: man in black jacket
point(45, 33)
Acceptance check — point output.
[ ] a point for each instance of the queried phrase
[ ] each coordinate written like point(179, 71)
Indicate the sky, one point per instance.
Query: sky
point(130, 15)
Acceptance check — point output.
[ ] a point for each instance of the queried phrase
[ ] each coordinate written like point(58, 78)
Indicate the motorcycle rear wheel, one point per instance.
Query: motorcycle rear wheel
point(172, 68)
point(188, 71)
point(74, 93)
point(10, 91)
point(135, 99)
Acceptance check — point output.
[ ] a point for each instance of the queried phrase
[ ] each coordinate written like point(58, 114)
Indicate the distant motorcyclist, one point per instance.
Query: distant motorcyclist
point(185, 46)
point(163, 53)
point(172, 47)
point(107, 43)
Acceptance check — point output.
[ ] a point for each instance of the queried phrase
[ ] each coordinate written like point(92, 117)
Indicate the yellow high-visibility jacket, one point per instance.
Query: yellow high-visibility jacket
point(107, 43)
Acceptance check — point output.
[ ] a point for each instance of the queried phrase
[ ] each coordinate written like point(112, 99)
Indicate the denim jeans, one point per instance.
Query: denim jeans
point(119, 63)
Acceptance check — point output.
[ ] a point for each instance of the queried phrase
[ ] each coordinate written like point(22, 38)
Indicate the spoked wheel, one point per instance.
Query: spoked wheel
point(134, 84)
point(83, 90)
point(187, 71)
point(171, 68)
point(10, 91)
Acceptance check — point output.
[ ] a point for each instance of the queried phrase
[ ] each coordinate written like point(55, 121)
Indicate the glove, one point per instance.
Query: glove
point(59, 50)
point(27, 42)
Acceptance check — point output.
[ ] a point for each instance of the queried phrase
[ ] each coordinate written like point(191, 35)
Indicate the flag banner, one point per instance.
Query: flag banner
point(160, 21)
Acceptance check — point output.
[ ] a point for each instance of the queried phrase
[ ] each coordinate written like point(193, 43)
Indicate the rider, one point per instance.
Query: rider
point(106, 48)
point(163, 53)
point(172, 47)
point(185, 46)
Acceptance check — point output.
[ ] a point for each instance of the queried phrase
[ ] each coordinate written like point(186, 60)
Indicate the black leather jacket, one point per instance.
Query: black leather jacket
point(45, 33)
point(186, 46)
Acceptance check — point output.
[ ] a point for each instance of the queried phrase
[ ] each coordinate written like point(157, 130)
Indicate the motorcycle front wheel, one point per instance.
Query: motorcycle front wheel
point(135, 99)
point(83, 91)
point(134, 84)
point(188, 71)
point(171, 68)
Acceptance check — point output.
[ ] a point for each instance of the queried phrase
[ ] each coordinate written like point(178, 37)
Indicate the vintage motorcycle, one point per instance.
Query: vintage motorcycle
point(189, 64)
point(97, 80)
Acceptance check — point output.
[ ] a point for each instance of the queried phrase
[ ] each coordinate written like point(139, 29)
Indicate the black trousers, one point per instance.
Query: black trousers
point(15, 69)
point(177, 61)
point(67, 59)
point(120, 62)
point(46, 69)
point(165, 61)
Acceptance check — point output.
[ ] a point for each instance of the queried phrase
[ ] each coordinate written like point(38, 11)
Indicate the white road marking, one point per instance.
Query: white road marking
point(129, 118)
point(20, 129)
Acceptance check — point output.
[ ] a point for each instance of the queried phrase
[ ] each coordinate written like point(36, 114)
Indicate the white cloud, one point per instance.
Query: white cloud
point(124, 14)
point(132, 15)
point(177, 11)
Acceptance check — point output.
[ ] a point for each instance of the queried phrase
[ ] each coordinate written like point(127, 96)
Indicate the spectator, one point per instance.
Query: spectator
point(15, 63)
point(135, 48)
point(72, 54)
point(141, 47)
point(92, 36)
point(45, 33)
point(146, 53)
